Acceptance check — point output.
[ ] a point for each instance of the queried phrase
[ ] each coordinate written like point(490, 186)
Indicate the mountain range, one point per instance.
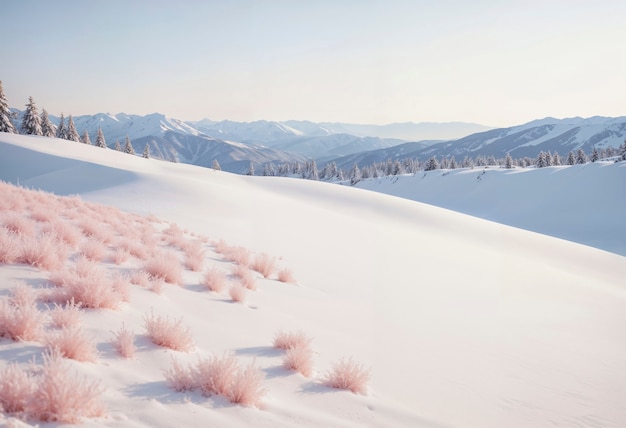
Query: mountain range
point(235, 145)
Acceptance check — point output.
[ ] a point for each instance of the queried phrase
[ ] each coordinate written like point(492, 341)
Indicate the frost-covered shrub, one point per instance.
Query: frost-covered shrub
point(291, 340)
point(246, 276)
point(247, 386)
point(93, 250)
point(10, 246)
point(17, 223)
point(69, 315)
point(62, 396)
point(180, 378)
point(21, 322)
point(264, 264)
point(166, 266)
point(44, 251)
point(73, 343)
point(124, 342)
point(167, 333)
point(347, 374)
point(215, 375)
point(88, 285)
point(285, 275)
point(16, 388)
point(237, 293)
point(214, 280)
point(299, 359)
point(22, 295)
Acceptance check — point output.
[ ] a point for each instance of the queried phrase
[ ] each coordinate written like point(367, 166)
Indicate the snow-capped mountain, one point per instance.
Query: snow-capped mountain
point(549, 134)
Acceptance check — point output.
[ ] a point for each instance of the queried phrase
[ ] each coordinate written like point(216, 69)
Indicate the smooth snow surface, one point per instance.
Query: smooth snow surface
point(463, 322)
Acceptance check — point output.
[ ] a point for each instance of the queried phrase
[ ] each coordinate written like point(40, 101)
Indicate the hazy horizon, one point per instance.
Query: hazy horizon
point(495, 63)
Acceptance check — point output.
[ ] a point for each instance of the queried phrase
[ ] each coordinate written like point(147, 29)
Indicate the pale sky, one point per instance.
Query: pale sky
point(498, 63)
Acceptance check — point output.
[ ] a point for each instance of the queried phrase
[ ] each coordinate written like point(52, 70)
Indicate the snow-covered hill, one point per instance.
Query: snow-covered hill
point(463, 322)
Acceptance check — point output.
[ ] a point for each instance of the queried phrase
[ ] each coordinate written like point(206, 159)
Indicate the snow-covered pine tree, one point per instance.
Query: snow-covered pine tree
point(250, 169)
point(508, 161)
point(100, 141)
point(313, 172)
point(61, 129)
point(556, 159)
point(355, 174)
point(581, 157)
point(86, 139)
point(571, 160)
point(432, 164)
point(6, 125)
point(118, 146)
point(540, 162)
point(128, 148)
point(594, 155)
point(216, 165)
point(31, 122)
point(146, 152)
point(623, 151)
point(451, 165)
point(72, 133)
point(47, 128)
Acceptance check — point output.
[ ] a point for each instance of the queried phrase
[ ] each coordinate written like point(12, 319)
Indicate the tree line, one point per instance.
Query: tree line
point(34, 123)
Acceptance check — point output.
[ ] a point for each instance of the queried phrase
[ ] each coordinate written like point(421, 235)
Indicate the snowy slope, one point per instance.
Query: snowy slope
point(463, 322)
point(580, 203)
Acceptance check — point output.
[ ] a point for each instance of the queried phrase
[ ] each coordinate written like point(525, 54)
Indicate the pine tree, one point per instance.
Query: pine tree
point(540, 162)
point(556, 159)
point(86, 139)
point(100, 141)
point(623, 151)
point(432, 164)
point(355, 174)
point(250, 169)
point(61, 129)
point(581, 157)
point(31, 122)
point(47, 128)
point(571, 160)
point(594, 155)
point(508, 161)
point(128, 148)
point(118, 146)
point(216, 165)
point(146, 152)
point(72, 133)
point(6, 125)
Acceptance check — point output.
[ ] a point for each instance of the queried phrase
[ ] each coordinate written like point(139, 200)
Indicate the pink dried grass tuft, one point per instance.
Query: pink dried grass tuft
point(73, 343)
point(237, 293)
point(291, 340)
point(21, 322)
point(10, 245)
point(44, 251)
point(349, 375)
point(62, 396)
point(215, 375)
point(179, 377)
point(286, 275)
point(17, 223)
point(16, 389)
point(300, 360)
point(65, 232)
point(167, 333)
point(124, 342)
point(66, 316)
point(22, 295)
point(93, 250)
point(166, 266)
point(214, 280)
point(264, 264)
point(247, 386)
point(246, 276)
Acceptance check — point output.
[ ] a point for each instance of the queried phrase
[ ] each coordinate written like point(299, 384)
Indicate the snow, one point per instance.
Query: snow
point(463, 321)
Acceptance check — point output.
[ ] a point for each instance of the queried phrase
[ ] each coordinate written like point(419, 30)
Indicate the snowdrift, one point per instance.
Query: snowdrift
point(462, 321)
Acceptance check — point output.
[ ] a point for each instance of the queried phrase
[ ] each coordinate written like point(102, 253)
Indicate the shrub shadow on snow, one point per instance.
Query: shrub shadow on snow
point(316, 388)
point(259, 351)
point(22, 353)
point(160, 392)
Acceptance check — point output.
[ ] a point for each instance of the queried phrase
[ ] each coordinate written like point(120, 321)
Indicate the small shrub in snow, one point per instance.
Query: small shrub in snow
point(16, 389)
point(246, 388)
point(180, 378)
point(10, 245)
point(66, 316)
point(120, 255)
point(21, 322)
point(215, 280)
point(238, 255)
point(124, 342)
point(215, 375)
point(264, 264)
point(194, 258)
point(166, 266)
point(93, 250)
point(237, 293)
point(285, 275)
point(73, 343)
point(65, 232)
point(17, 223)
point(299, 359)
point(169, 334)
point(246, 277)
point(349, 375)
point(61, 396)
point(44, 251)
point(291, 340)
point(22, 295)
point(141, 278)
